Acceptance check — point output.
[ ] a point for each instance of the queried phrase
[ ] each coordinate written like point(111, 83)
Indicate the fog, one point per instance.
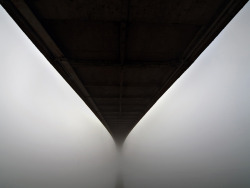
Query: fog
point(196, 135)
point(48, 136)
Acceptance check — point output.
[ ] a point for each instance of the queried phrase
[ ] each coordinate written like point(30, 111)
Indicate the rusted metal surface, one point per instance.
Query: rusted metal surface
point(120, 56)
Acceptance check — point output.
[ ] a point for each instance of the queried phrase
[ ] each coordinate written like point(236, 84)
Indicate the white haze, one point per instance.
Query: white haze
point(48, 137)
point(198, 133)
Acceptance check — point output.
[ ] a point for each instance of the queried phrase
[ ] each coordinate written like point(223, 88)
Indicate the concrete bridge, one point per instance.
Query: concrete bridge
point(120, 56)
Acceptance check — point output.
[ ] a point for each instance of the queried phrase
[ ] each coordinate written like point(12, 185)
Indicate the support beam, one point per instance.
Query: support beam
point(209, 31)
point(123, 37)
point(35, 30)
point(123, 56)
point(100, 84)
point(127, 63)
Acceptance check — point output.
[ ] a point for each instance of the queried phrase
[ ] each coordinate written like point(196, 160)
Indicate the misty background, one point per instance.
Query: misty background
point(196, 135)
point(48, 136)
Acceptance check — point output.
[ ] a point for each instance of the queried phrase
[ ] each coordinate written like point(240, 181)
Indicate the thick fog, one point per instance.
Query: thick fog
point(48, 136)
point(198, 134)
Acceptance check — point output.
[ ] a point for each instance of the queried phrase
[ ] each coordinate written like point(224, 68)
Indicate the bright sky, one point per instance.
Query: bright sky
point(197, 134)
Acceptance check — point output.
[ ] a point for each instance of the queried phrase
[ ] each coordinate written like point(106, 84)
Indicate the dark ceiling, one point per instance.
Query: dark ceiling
point(120, 56)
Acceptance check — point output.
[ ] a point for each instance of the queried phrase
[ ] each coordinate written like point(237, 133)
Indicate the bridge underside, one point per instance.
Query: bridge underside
point(120, 56)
